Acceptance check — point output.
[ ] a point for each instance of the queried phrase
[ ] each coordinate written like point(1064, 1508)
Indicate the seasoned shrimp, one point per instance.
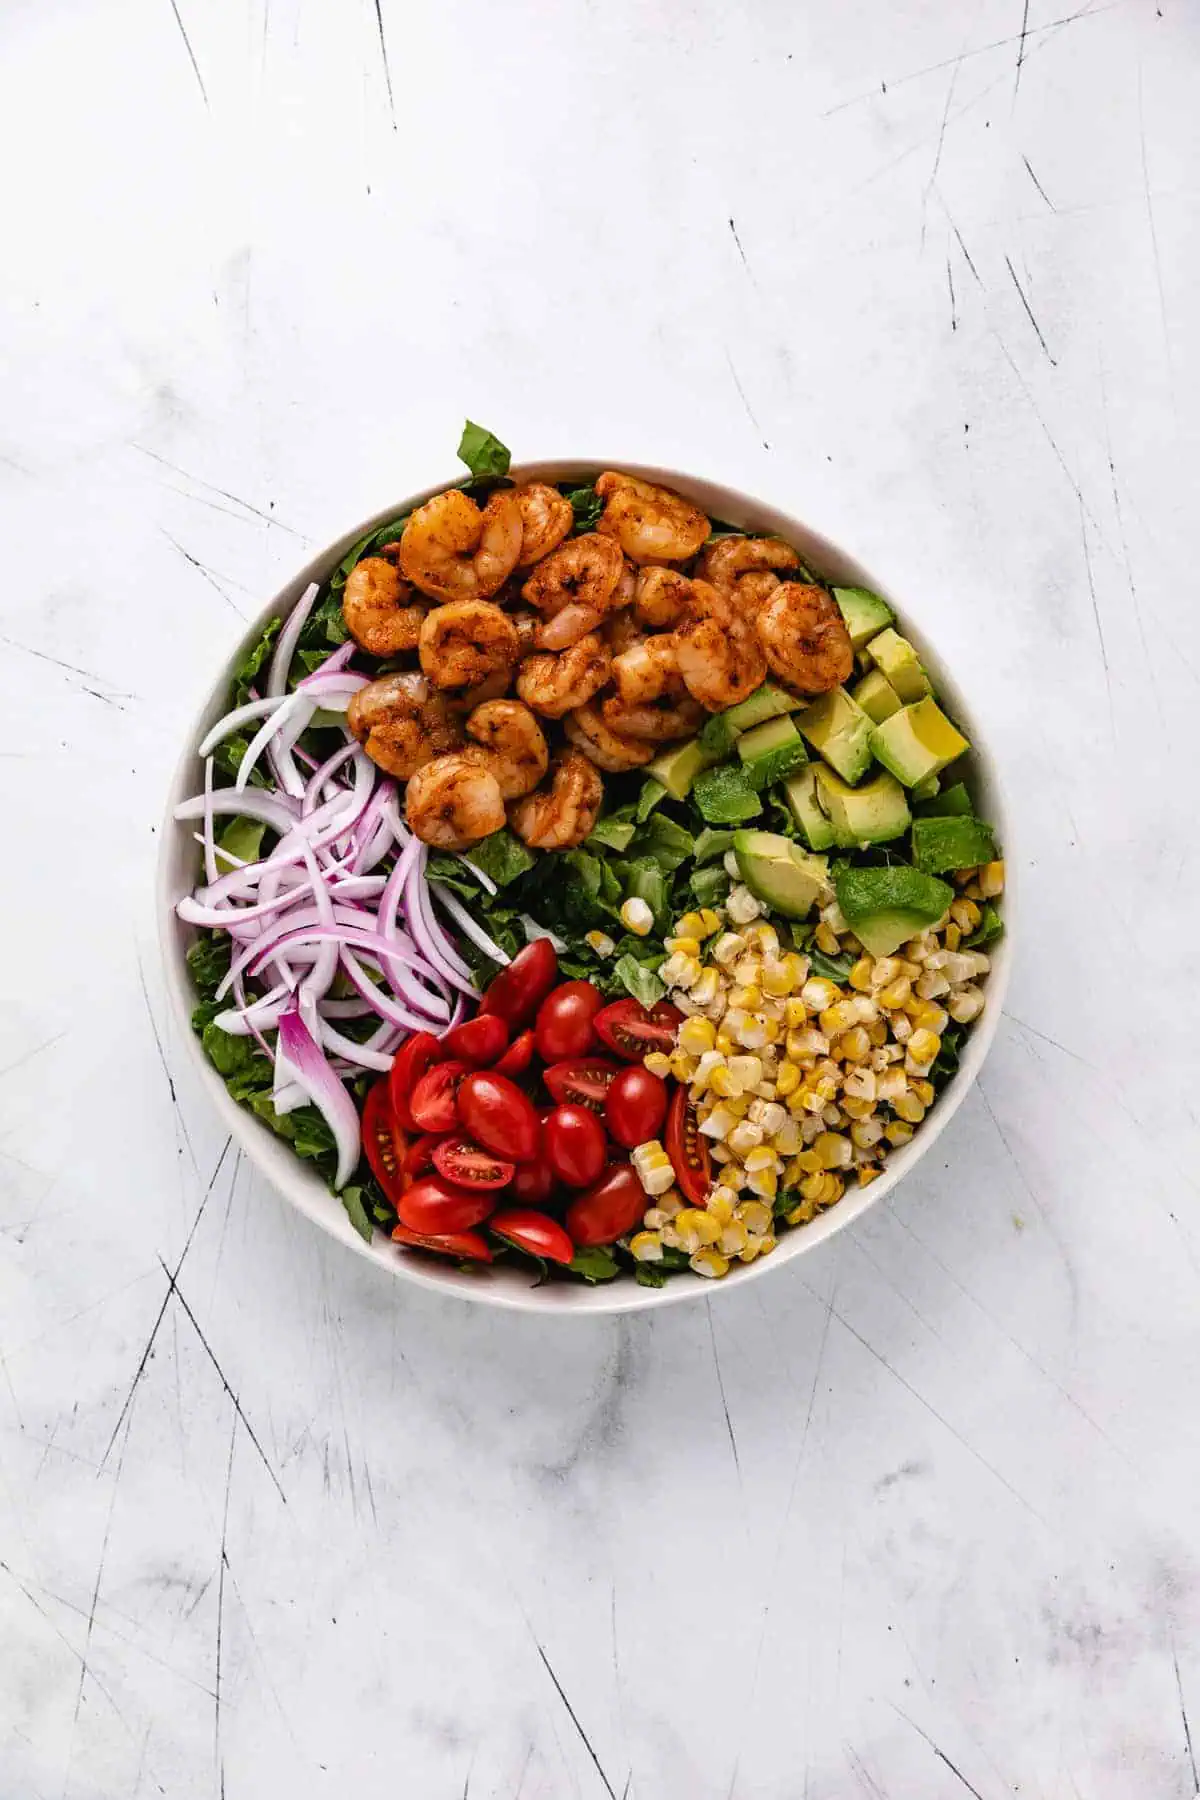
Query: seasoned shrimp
point(400, 725)
point(672, 718)
point(805, 638)
point(465, 641)
point(567, 627)
point(752, 591)
point(492, 687)
point(724, 561)
point(509, 742)
point(452, 803)
point(561, 815)
point(378, 610)
point(453, 551)
point(527, 626)
point(662, 595)
point(718, 651)
point(552, 685)
point(647, 670)
point(602, 745)
point(546, 518)
point(652, 524)
point(586, 571)
point(622, 630)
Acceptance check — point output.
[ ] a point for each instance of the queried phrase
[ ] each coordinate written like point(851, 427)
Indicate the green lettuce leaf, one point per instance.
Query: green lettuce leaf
point(638, 980)
point(482, 451)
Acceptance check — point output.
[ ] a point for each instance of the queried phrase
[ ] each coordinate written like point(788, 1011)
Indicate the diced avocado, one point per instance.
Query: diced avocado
point(895, 657)
point(961, 842)
point(877, 697)
point(946, 805)
point(864, 612)
point(801, 792)
point(678, 767)
point(786, 878)
point(837, 727)
point(916, 742)
point(240, 842)
point(766, 702)
point(770, 751)
point(926, 790)
point(886, 907)
point(725, 797)
point(874, 813)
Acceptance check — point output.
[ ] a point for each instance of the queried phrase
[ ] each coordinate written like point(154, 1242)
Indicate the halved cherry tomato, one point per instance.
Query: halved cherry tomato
point(564, 1021)
point(517, 991)
point(517, 1057)
point(688, 1148)
point(412, 1059)
point(582, 1081)
point(534, 1232)
point(632, 1032)
point(434, 1206)
point(465, 1246)
point(573, 1145)
point(498, 1115)
point(478, 1042)
point(464, 1163)
point(432, 1102)
point(635, 1106)
point(533, 1184)
point(609, 1209)
point(419, 1157)
point(383, 1141)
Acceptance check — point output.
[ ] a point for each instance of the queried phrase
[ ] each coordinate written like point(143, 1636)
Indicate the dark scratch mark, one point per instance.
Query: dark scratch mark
point(387, 73)
point(628, 1785)
point(737, 240)
point(268, 518)
point(966, 253)
point(742, 396)
point(1029, 311)
point(187, 43)
point(30, 1054)
point(207, 573)
point(1158, 276)
point(1046, 1039)
point(1035, 1202)
point(574, 1717)
point(208, 1351)
point(1037, 184)
point(162, 1057)
point(721, 1388)
point(953, 309)
point(941, 138)
point(1187, 1730)
point(57, 662)
point(1120, 517)
point(107, 698)
point(60, 1635)
point(1087, 563)
point(91, 1618)
point(1021, 47)
point(221, 1568)
point(939, 1753)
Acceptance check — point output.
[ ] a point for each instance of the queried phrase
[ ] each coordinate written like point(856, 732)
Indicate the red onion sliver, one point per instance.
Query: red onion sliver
point(314, 1075)
point(241, 715)
point(462, 917)
point(285, 647)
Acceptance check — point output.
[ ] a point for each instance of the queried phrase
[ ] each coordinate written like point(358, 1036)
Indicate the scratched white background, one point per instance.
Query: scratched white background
point(915, 1519)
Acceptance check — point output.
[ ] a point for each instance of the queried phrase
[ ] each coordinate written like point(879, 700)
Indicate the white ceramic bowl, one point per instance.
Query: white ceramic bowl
point(510, 1286)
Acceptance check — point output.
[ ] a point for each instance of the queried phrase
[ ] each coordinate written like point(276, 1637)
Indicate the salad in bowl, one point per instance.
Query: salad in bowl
point(584, 885)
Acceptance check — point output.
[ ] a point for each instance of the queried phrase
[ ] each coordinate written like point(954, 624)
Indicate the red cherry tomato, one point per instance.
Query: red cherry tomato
point(533, 1184)
point(573, 1142)
point(419, 1157)
point(466, 1165)
point(383, 1141)
point(608, 1210)
point(517, 991)
point(479, 1042)
point(632, 1032)
point(432, 1102)
point(583, 1081)
point(635, 1106)
point(534, 1232)
point(434, 1206)
point(464, 1246)
point(688, 1148)
point(499, 1116)
point(564, 1021)
point(414, 1056)
point(517, 1057)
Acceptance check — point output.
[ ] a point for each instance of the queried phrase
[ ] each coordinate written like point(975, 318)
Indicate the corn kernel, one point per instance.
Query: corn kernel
point(747, 1071)
point(837, 1018)
point(854, 1046)
point(680, 971)
point(636, 916)
point(794, 1012)
point(760, 1156)
point(895, 993)
point(966, 915)
point(891, 1084)
point(725, 1043)
point(646, 1246)
point(803, 1214)
point(600, 942)
point(898, 1132)
point(654, 1218)
point(728, 948)
point(720, 1154)
point(786, 1141)
point(952, 937)
point(826, 940)
point(834, 1151)
point(747, 999)
point(884, 970)
point(710, 921)
point(744, 1137)
point(865, 1133)
point(720, 1204)
point(867, 1174)
point(742, 906)
point(966, 1005)
point(901, 1027)
point(818, 993)
point(752, 1033)
point(658, 1064)
point(856, 1109)
point(923, 1046)
point(709, 1263)
point(991, 880)
point(706, 988)
point(696, 1036)
point(764, 937)
point(924, 1090)
point(682, 946)
point(909, 1108)
point(683, 1066)
point(861, 1084)
point(929, 1017)
point(695, 1221)
point(860, 975)
point(709, 1063)
point(764, 1182)
point(733, 1239)
point(767, 1244)
point(691, 925)
point(787, 1080)
point(718, 1123)
point(782, 976)
point(755, 1217)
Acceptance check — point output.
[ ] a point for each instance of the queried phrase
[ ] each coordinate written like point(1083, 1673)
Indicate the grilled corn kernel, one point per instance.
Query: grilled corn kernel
point(742, 906)
point(600, 942)
point(860, 975)
point(718, 1123)
point(709, 1063)
point(764, 937)
point(923, 1046)
point(860, 1084)
point(747, 1071)
point(803, 1214)
point(782, 975)
point(826, 940)
point(709, 1263)
point(856, 1109)
point(837, 1018)
point(720, 1204)
point(991, 880)
point(909, 1108)
point(720, 1154)
point(755, 1217)
point(682, 946)
point(705, 988)
point(794, 1012)
point(770, 1115)
point(817, 993)
point(786, 1141)
point(728, 948)
point(725, 1043)
point(865, 1133)
point(683, 1066)
point(723, 1083)
point(701, 1224)
point(898, 1132)
point(787, 1080)
point(744, 1137)
point(690, 925)
point(636, 916)
point(884, 970)
point(952, 936)
point(761, 1156)
point(966, 915)
point(932, 985)
point(733, 1239)
point(657, 1063)
point(901, 1027)
point(891, 1084)
point(646, 1246)
point(834, 1151)
point(929, 1017)
point(924, 1090)
point(748, 999)
point(895, 993)
point(764, 1182)
point(696, 1035)
point(966, 1005)
point(710, 921)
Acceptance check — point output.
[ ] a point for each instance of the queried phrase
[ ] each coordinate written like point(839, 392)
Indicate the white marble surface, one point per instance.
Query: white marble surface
point(915, 1518)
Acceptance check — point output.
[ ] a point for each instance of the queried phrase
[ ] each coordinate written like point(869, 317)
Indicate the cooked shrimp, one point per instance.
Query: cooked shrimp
point(622, 630)
point(527, 626)
point(586, 571)
point(652, 524)
point(718, 651)
point(400, 725)
point(378, 610)
point(601, 744)
point(492, 687)
point(465, 641)
point(546, 518)
point(724, 561)
point(558, 816)
point(805, 638)
point(567, 627)
point(453, 551)
point(752, 591)
point(552, 685)
point(452, 803)
point(509, 742)
point(662, 595)
point(647, 670)
point(664, 723)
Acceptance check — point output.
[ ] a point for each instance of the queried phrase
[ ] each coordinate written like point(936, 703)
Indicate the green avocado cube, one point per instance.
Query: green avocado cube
point(800, 791)
point(766, 702)
point(961, 842)
point(873, 813)
point(725, 797)
point(864, 612)
point(840, 731)
point(917, 742)
point(781, 874)
point(895, 658)
point(770, 751)
point(950, 801)
point(886, 907)
point(678, 767)
point(877, 697)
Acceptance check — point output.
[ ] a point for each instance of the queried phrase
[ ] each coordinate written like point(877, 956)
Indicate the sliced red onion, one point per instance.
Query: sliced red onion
point(485, 881)
point(210, 848)
point(533, 931)
point(314, 1075)
point(466, 923)
point(386, 1007)
point(273, 809)
point(289, 637)
point(295, 703)
point(334, 662)
point(288, 1099)
point(431, 939)
point(241, 715)
point(315, 784)
point(317, 981)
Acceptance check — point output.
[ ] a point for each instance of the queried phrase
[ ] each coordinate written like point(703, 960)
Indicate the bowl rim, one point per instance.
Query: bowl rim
point(508, 1289)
